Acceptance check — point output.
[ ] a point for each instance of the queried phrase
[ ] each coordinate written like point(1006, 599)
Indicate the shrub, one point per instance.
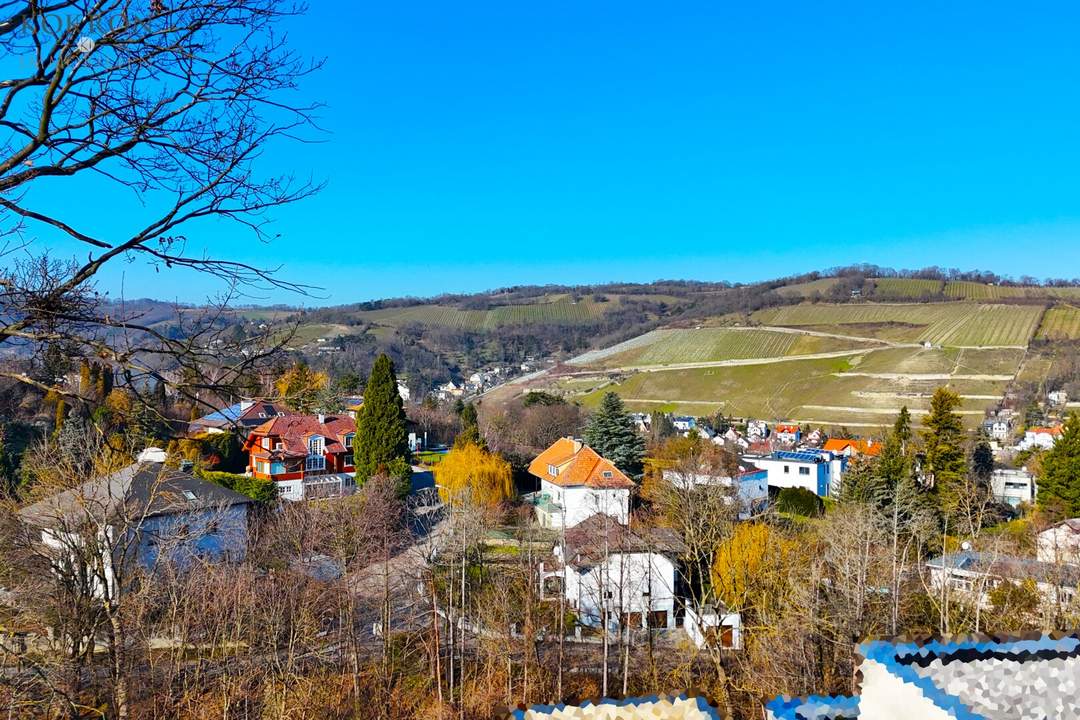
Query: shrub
point(259, 490)
point(799, 501)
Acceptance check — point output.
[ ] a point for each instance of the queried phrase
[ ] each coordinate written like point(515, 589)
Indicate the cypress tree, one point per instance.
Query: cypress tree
point(382, 442)
point(470, 428)
point(611, 432)
point(1059, 482)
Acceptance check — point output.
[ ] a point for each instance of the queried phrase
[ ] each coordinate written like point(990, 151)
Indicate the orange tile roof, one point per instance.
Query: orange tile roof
point(787, 428)
point(293, 431)
point(862, 447)
point(1046, 430)
point(577, 464)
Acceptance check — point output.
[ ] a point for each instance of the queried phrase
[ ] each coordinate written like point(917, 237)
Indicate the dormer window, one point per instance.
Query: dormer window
point(266, 443)
point(348, 441)
point(552, 470)
point(316, 445)
point(608, 474)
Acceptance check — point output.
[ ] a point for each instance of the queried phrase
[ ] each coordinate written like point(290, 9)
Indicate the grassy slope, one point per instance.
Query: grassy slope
point(1060, 323)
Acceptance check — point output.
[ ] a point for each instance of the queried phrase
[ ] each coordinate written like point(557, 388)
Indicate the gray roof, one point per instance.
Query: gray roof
point(1008, 567)
point(140, 489)
point(585, 544)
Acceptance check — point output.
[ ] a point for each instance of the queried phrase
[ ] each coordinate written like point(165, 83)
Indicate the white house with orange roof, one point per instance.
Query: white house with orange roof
point(1040, 437)
point(850, 447)
point(575, 483)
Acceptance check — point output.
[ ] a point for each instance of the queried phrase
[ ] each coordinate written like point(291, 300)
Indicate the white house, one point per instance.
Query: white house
point(998, 428)
point(1013, 487)
point(751, 487)
point(144, 514)
point(1040, 437)
point(1060, 543)
point(818, 471)
point(1057, 397)
point(969, 678)
point(712, 627)
point(974, 574)
point(684, 423)
point(575, 483)
point(610, 569)
point(403, 391)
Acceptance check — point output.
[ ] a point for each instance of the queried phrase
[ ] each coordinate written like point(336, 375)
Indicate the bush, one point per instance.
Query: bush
point(261, 491)
point(799, 501)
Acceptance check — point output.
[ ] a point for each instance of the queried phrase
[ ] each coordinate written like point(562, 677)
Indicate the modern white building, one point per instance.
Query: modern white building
point(576, 483)
point(608, 569)
point(1013, 487)
point(818, 471)
point(972, 575)
point(977, 678)
point(751, 488)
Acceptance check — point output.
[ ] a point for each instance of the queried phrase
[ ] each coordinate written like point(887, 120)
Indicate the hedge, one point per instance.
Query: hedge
point(259, 490)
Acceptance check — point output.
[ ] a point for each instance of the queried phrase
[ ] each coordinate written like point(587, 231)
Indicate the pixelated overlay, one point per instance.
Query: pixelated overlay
point(1031, 677)
point(652, 707)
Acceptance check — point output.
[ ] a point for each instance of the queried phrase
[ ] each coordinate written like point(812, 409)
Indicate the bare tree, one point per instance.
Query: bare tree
point(173, 102)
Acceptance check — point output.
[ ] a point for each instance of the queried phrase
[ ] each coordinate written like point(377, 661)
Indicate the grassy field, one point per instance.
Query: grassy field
point(906, 287)
point(952, 323)
point(708, 344)
point(1060, 323)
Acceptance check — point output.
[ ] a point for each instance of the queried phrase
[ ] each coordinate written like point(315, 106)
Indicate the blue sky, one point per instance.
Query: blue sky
point(476, 145)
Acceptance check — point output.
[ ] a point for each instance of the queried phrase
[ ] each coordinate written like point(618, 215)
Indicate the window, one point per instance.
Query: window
point(348, 441)
point(189, 495)
point(804, 471)
point(552, 470)
point(787, 469)
point(608, 474)
point(314, 462)
point(316, 445)
point(279, 446)
point(266, 443)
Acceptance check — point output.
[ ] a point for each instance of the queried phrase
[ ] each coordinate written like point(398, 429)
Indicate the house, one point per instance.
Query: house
point(146, 512)
point(814, 438)
point(818, 471)
point(1013, 487)
point(751, 487)
point(352, 405)
point(1057, 397)
point(449, 390)
point(974, 574)
point(849, 447)
point(607, 568)
point(575, 483)
point(642, 422)
point(756, 430)
point(998, 428)
point(244, 415)
point(1060, 543)
point(306, 456)
point(403, 391)
point(684, 423)
point(709, 627)
point(788, 433)
point(968, 678)
point(1040, 437)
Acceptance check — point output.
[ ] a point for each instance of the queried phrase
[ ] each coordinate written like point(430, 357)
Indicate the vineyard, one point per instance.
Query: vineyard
point(954, 323)
point(1060, 323)
point(668, 347)
point(980, 291)
point(906, 287)
point(808, 289)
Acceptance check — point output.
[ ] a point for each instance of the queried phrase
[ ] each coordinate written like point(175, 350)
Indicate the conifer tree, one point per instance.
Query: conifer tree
point(611, 432)
point(943, 439)
point(1059, 483)
point(382, 442)
point(470, 428)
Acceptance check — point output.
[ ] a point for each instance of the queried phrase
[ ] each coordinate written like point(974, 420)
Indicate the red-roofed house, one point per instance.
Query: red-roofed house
point(789, 433)
point(850, 447)
point(1040, 437)
point(306, 456)
point(576, 483)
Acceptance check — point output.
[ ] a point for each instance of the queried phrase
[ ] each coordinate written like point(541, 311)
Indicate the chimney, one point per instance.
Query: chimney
point(322, 418)
point(577, 444)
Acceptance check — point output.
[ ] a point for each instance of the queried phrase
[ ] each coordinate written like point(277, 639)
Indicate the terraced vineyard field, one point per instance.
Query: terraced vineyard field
point(952, 323)
point(807, 289)
point(905, 287)
point(708, 344)
point(966, 290)
point(1060, 323)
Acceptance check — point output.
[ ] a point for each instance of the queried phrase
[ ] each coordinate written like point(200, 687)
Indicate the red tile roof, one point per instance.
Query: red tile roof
point(293, 431)
point(787, 428)
point(858, 447)
point(577, 464)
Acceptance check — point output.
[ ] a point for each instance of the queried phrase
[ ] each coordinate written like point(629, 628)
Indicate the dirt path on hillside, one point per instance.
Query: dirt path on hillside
point(721, 363)
point(924, 376)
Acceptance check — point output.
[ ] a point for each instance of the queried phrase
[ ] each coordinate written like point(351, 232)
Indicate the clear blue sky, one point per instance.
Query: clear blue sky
point(475, 145)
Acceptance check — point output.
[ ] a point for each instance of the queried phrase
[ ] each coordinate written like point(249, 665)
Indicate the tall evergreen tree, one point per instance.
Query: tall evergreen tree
point(943, 438)
point(902, 429)
point(1059, 483)
point(382, 442)
point(611, 432)
point(470, 428)
point(982, 462)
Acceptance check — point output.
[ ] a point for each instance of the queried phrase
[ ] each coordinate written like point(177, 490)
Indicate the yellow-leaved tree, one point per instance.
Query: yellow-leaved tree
point(469, 470)
point(751, 567)
point(300, 387)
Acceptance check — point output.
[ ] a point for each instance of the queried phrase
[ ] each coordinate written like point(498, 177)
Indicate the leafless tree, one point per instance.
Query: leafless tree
point(173, 102)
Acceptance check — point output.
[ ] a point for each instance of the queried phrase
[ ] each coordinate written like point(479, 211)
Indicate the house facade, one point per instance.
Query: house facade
point(818, 471)
point(1013, 487)
point(1040, 437)
point(973, 575)
point(850, 447)
point(1060, 543)
point(609, 570)
point(788, 433)
point(306, 456)
point(751, 487)
point(153, 513)
point(576, 483)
